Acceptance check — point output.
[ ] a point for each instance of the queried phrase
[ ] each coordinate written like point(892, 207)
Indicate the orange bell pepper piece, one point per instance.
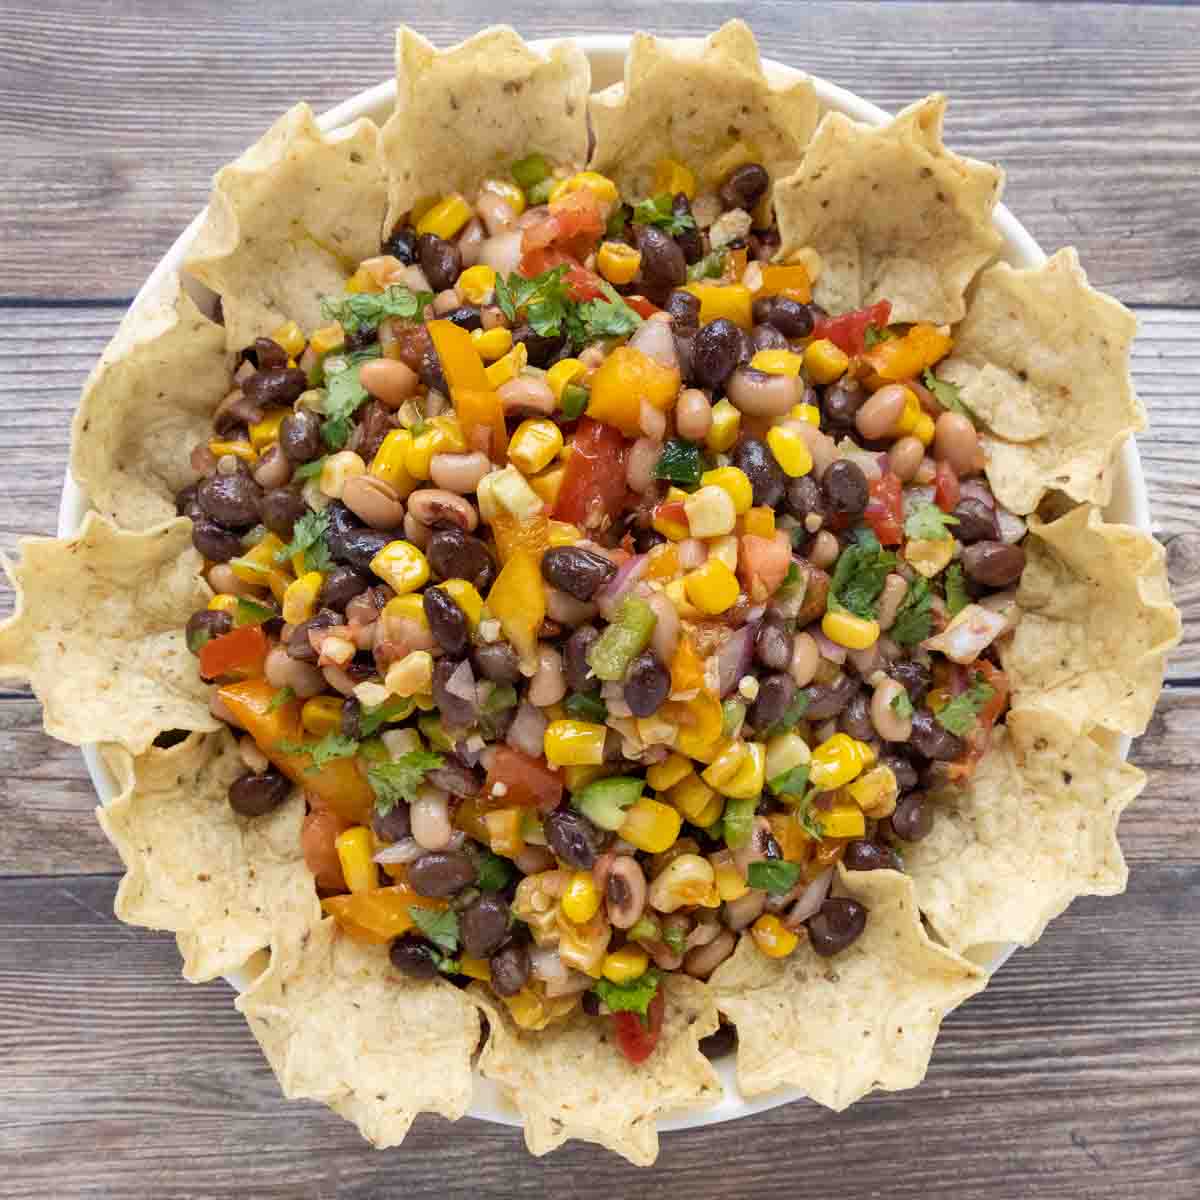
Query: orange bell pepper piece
point(240, 652)
point(504, 829)
point(792, 282)
point(469, 818)
point(906, 357)
point(481, 415)
point(623, 381)
point(792, 839)
point(339, 785)
point(699, 721)
point(512, 534)
point(479, 410)
point(379, 915)
point(518, 601)
point(687, 667)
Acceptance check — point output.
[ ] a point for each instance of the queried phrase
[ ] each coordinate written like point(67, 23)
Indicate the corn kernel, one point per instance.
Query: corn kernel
point(651, 825)
point(662, 521)
point(289, 339)
point(772, 937)
point(825, 362)
point(710, 512)
point(806, 412)
point(362, 281)
point(748, 782)
point(778, 362)
point(561, 533)
point(671, 177)
point(923, 430)
point(266, 431)
point(327, 339)
point(410, 676)
point(855, 633)
point(712, 588)
point(547, 485)
point(625, 965)
point(223, 602)
point(535, 444)
point(729, 881)
point(446, 217)
point(686, 879)
point(401, 565)
point(476, 284)
point(300, 598)
point(726, 424)
point(676, 592)
point(760, 521)
point(834, 763)
point(467, 598)
point(322, 714)
point(668, 773)
point(581, 898)
point(507, 367)
point(844, 820)
point(875, 792)
point(790, 450)
point(734, 481)
point(492, 343)
point(354, 849)
point(564, 372)
point(337, 469)
point(599, 185)
point(239, 450)
point(617, 262)
point(389, 463)
point(573, 743)
point(725, 765)
point(696, 800)
point(407, 608)
point(906, 423)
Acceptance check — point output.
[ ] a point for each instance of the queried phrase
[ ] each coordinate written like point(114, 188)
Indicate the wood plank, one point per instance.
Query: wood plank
point(1076, 1073)
point(109, 149)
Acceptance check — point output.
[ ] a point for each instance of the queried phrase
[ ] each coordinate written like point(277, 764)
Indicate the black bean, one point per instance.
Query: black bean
point(573, 838)
point(350, 721)
point(721, 1044)
point(213, 542)
point(429, 370)
point(855, 718)
point(904, 771)
point(458, 711)
point(578, 572)
point(394, 825)
point(663, 264)
point(497, 661)
point(861, 855)
point(205, 625)
point(575, 663)
point(745, 186)
point(455, 778)
point(691, 240)
point(976, 521)
point(913, 817)
point(838, 924)
point(915, 677)
point(300, 436)
point(357, 549)
point(684, 309)
point(804, 498)
point(775, 695)
point(266, 354)
point(441, 873)
point(846, 488)
point(299, 647)
point(930, 740)
point(447, 621)
point(644, 540)
point(684, 346)
point(454, 554)
point(773, 644)
point(790, 317)
point(280, 509)
point(186, 503)
point(466, 316)
point(402, 244)
point(484, 925)
point(413, 956)
point(716, 352)
point(647, 684)
point(374, 424)
point(767, 337)
point(827, 700)
point(230, 500)
point(279, 387)
point(440, 260)
point(252, 795)
point(341, 585)
point(541, 349)
point(994, 564)
point(766, 476)
point(840, 403)
point(510, 968)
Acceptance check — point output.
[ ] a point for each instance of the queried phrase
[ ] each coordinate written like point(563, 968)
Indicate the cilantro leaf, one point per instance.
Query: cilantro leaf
point(544, 299)
point(902, 705)
point(947, 395)
point(658, 210)
point(395, 781)
point(285, 695)
point(344, 396)
point(308, 538)
point(251, 612)
point(858, 578)
point(596, 319)
point(492, 872)
point(793, 781)
point(914, 618)
point(711, 266)
point(958, 715)
point(586, 708)
point(927, 522)
point(773, 875)
point(634, 996)
point(323, 752)
point(809, 821)
point(956, 589)
point(441, 928)
point(366, 309)
point(680, 462)
point(792, 576)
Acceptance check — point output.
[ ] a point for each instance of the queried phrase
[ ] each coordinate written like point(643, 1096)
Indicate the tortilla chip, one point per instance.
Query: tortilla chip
point(288, 222)
point(691, 100)
point(1042, 360)
point(892, 213)
point(1036, 827)
point(223, 884)
point(147, 402)
point(98, 632)
point(840, 1027)
point(339, 1024)
point(1096, 623)
point(571, 1080)
point(471, 111)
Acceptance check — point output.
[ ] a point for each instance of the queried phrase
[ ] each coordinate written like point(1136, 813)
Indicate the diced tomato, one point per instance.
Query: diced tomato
point(945, 487)
point(848, 332)
point(635, 1039)
point(885, 510)
point(593, 487)
point(241, 652)
point(763, 564)
point(980, 738)
point(527, 782)
point(583, 284)
point(642, 306)
point(571, 228)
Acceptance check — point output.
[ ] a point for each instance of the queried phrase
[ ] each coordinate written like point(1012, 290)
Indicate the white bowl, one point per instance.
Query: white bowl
point(607, 52)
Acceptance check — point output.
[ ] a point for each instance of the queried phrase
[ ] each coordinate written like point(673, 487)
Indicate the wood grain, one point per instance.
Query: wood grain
point(112, 121)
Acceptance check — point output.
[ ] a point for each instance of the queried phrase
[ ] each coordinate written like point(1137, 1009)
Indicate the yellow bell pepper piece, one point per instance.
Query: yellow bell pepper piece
point(547, 485)
point(300, 598)
point(672, 177)
point(477, 405)
point(507, 366)
point(792, 281)
point(258, 564)
point(623, 381)
point(730, 300)
point(699, 722)
point(446, 217)
point(518, 601)
point(266, 431)
point(896, 359)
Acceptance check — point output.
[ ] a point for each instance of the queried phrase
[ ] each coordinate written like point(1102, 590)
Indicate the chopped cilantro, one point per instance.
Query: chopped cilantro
point(441, 928)
point(399, 780)
point(773, 875)
point(586, 708)
point(344, 396)
point(809, 821)
point(596, 319)
point(250, 612)
point(617, 220)
point(285, 695)
point(680, 462)
point(793, 781)
point(927, 522)
point(366, 309)
point(658, 210)
point(308, 538)
point(544, 298)
point(858, 578)
point(874, 334)
point(956, 589)
point(492, 872)
point(946, 394)
point(371, 720)
point(792, 576)
point(309, 470)
point(332, 746)
point(958, 715)
point(914, 618)
point(901, 705)
point(711, 266)
point(634, 996)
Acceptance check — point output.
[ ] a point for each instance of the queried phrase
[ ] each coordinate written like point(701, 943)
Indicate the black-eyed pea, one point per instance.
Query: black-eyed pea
point(434, 506)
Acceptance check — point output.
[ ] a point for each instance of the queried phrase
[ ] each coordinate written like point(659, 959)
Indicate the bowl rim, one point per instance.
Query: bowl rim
point(1129, 499)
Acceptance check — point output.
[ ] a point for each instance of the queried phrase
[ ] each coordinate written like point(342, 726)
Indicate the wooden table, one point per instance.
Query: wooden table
point(1076, 1074)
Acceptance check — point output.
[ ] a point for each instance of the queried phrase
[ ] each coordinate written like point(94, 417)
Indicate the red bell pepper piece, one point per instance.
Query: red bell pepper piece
point(642, 306)
point(849, 330)
point(635, 1039)
point(593, 488)
point(241, 652)
point(885, 510)
point(945, 487)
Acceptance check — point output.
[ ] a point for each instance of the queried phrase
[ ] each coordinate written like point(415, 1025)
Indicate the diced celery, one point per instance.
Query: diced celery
point(435, 735)
point(627, 636)
point(604, 801)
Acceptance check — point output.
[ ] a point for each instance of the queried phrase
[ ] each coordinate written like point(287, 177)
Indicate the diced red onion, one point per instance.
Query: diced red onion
point(527, 730)
point(406, 850)
point(976, 489)
point(572, 983)
point(810, 900)
point(655, 340)
point(462, 682)
point(613, 592)
point(829, 650)
point(969, 634)
point(1012, 527)
point(462, 749)
point(914, 496)
point(545, 964)
point(692, 553)
point(735, 656)
point(502, 253)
